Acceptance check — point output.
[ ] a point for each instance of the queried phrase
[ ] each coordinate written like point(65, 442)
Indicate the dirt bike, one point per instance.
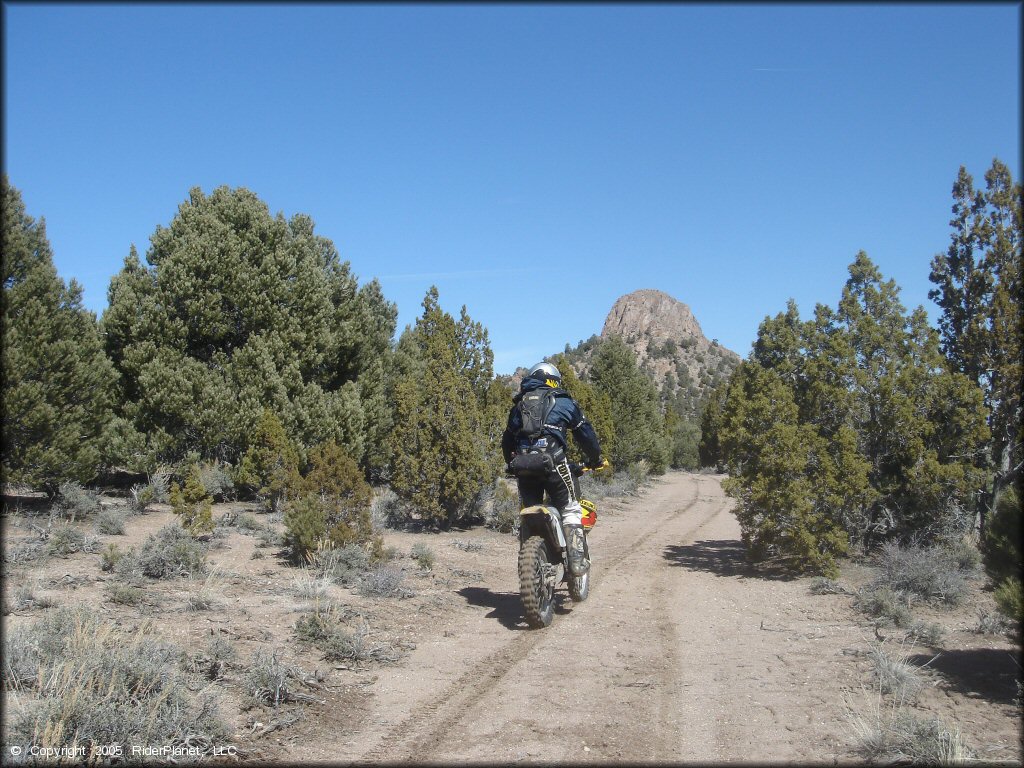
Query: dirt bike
point(544, 558)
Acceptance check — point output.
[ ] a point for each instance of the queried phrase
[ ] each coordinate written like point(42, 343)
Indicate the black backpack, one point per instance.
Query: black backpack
point(534, 407)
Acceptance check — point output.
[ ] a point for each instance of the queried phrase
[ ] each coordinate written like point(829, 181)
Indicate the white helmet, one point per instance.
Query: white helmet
point(548, 372)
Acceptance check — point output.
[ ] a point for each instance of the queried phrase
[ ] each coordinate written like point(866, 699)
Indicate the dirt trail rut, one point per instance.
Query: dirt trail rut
point(676, 656)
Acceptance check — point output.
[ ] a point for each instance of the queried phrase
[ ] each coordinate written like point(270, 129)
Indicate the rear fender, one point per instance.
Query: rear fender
point(541, 519)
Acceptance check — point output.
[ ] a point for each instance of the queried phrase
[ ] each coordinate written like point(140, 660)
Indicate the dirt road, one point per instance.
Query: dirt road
point(677, 656)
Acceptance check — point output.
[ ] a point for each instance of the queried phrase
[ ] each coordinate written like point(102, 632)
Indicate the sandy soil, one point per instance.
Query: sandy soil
point(681, 653)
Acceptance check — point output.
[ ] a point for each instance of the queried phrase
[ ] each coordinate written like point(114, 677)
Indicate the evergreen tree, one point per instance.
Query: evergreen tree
point(440, 456)
point(639, 425)
point(774, 462)
point(270, 465)
point(978, 288)
point(595, 406)
point(58, 384)
point(330, 506)
point(238, 311)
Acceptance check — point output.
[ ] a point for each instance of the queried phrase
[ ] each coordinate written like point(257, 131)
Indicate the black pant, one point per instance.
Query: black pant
point(561, 486)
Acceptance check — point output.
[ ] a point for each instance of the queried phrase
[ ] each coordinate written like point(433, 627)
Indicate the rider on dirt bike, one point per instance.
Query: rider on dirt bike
point(534, 447)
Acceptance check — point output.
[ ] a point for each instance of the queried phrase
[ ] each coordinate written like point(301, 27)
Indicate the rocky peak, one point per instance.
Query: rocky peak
point(654, 315)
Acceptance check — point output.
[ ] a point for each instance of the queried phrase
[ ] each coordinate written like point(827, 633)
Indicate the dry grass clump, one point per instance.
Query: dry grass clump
point(270, 681)
point(311, 586)
point(895, 675)
point(894, 735)
point(81, 681)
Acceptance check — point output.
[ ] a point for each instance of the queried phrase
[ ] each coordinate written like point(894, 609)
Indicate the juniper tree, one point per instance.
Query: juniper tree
point(639, 425)
point(440, 457)
point(57, 382)
point(236, 311)
point(978, 288)
point(595, 406)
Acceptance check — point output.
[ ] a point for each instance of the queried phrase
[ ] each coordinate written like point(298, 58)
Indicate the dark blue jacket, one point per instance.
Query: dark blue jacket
point(564, 417)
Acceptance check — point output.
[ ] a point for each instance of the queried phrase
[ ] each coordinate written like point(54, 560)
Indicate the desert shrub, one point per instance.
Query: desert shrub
point(991, 623)
point(93, 683)
point(384, 581)
point(928, 633)
point(504, 508)
point(247, 521)
point(75, 502)
point(168, 552)
point(124, 594)
point(386, 510)
point(821, 585)
point(884, 603)
point(323, 630)
point(343, 565)
point(23, 551)
point(423, 555)
point(268, 538)
point(110, 556)
point(639, 471)
point(110, 522)
point(930, 573)
point(331, 502)
point(1010, 598)
point(962, 555)
point(895, 675)
point(216, 479)
point(468, 546)
point(1002, 553)
point(65, 539)
point(606, 485)
point(25, 596)
point(192, 504)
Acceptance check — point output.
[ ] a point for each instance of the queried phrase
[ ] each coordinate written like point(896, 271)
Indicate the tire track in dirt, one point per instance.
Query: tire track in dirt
point(531, 684)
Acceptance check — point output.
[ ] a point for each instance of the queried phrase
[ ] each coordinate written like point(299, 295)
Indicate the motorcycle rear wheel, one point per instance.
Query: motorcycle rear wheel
point(537, 593)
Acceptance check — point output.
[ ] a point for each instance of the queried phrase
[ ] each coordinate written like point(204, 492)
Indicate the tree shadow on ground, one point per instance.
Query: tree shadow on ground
point(722, 557)
point(988, 673)
point(506, 606)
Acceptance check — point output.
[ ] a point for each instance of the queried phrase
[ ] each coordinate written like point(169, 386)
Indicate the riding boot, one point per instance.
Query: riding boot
point(578, 562)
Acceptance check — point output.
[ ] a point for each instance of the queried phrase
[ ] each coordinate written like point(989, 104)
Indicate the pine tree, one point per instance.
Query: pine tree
point(238, 311)
point(58, 384)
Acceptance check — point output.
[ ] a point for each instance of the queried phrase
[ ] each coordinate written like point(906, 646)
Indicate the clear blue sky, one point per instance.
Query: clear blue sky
point(535, 162)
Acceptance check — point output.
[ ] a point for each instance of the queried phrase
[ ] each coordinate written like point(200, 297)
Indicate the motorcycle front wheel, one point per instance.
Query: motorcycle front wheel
point(579, 586)
point(535, 588)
